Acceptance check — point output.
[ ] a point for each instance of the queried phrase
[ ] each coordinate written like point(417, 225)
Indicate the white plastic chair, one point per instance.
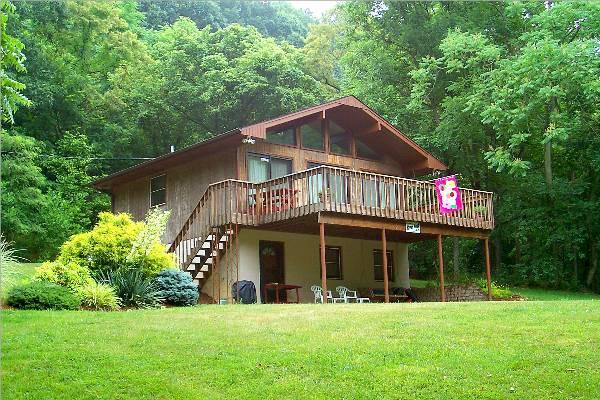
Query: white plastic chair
point(348, 295)
point(318, 292)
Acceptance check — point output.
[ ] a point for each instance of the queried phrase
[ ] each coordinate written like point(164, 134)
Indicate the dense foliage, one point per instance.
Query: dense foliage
point(69, 275)
point(42, 296)
point(133, 288)
point(98, 296)
point(110, 246)
point(9, 263)
point(176, 287)
point(506, 94)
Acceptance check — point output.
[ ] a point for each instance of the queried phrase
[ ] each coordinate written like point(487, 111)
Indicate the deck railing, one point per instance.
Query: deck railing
point(326, 189)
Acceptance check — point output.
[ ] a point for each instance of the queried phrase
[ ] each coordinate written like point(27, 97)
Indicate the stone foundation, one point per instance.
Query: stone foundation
point(453, 293)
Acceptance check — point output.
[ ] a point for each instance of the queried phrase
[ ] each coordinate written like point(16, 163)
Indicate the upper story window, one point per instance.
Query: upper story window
point(158, 191)
point(378, 265)
point(263, 167)
point(364, 151)
point(285, 136)
point(339, 139)
point(312, 137)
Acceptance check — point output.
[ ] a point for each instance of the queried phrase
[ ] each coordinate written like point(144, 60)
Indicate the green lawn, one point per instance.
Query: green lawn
point(499, 350)
point(554, 295)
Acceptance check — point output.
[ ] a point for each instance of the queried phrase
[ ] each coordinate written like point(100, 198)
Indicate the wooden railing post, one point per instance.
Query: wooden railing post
point(441, 260)
point(323, 262)
point(488, 271)
point(386, 288)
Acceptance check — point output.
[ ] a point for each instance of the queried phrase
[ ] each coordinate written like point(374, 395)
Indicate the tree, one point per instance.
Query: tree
point(202, 83)
point(276, 19)
point(12, 61)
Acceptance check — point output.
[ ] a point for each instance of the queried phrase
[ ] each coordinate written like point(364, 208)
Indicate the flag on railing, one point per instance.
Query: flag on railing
point(448, 194)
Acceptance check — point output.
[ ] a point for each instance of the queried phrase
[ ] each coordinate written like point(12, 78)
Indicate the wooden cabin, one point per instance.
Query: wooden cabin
point(324, 196)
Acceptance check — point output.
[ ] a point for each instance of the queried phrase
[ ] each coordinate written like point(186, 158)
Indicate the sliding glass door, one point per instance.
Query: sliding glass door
point(263, 167)
point(327, 187)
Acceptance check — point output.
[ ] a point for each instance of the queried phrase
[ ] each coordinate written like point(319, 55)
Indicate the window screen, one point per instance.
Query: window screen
point(158, 191)
point(378, 265)
point(333, 261)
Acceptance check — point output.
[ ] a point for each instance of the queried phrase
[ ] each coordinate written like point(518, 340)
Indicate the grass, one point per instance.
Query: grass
point(554, 295)
point(500, 350)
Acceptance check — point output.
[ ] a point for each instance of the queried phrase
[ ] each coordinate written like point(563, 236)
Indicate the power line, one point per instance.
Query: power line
point(85, 158)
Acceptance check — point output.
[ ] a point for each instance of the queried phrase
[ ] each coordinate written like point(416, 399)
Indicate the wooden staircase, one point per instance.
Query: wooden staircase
point(206, 237)
point(207, 253)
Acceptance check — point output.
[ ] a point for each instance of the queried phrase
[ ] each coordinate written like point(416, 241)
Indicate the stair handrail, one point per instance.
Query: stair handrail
point(195, 211)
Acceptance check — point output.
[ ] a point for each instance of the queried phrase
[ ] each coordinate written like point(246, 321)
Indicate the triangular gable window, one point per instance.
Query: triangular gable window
point(364, 151)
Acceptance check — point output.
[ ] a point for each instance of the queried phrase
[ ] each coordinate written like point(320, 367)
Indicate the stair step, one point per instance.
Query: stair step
point(204, 268)
point(191, 267)
point(196, 282)
point(199, 275)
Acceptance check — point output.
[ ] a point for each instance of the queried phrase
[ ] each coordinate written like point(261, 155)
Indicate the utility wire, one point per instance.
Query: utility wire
point(84, 158)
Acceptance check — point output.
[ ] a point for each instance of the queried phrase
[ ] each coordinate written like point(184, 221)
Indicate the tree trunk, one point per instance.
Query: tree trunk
point(593, 265)
point(497, 254)
point(548, 164)
point(455, 257)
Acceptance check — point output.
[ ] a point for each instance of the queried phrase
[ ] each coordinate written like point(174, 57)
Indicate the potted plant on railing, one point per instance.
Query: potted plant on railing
point(479, 211)
point(324, 196)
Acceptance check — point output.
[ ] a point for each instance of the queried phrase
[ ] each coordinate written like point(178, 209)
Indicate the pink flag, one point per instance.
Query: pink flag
point(448, 194)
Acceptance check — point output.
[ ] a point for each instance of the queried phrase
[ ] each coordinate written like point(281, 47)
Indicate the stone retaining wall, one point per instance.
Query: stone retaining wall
point(453, 293)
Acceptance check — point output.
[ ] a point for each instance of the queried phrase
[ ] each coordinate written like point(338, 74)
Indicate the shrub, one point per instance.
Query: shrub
point(9, 263)
point(134, 288)
point(98, 296)
point(71, 275)
point(498, 291)
point(42, 296)
point(177, 287)
point(110, 247)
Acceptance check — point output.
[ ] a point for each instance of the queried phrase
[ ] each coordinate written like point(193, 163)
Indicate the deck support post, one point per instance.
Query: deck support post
point(323, 263)
point(237, 264)
point(441, 261)
point(488, 272)
point(386, 285)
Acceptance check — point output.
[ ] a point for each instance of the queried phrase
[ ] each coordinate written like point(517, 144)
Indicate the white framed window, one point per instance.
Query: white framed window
point(333, 262)
point(158, 191)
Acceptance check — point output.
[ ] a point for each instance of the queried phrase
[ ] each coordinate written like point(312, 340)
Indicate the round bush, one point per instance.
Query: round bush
point(42, 296)
point(109, 247)
point(71, 275)
point(98, 296)
point(177, 287)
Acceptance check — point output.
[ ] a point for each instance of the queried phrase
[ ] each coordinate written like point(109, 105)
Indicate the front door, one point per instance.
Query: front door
point(271, 268)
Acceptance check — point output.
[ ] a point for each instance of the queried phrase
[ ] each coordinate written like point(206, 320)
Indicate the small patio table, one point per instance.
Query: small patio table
point(278, 287)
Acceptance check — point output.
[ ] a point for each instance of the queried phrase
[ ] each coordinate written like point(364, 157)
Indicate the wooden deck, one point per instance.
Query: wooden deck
point(326, 189)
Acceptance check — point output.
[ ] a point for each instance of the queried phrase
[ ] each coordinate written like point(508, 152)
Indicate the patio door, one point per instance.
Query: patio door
point(262, 167)
point(335, 187)
point(271, 267)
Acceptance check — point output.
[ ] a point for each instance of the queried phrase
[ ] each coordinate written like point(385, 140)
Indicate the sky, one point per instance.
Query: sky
point(317, 7)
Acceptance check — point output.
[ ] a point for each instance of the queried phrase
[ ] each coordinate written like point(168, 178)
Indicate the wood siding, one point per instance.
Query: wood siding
point(185, 186)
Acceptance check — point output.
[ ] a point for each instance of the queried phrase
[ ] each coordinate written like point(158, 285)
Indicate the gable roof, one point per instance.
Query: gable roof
point(366, 124)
